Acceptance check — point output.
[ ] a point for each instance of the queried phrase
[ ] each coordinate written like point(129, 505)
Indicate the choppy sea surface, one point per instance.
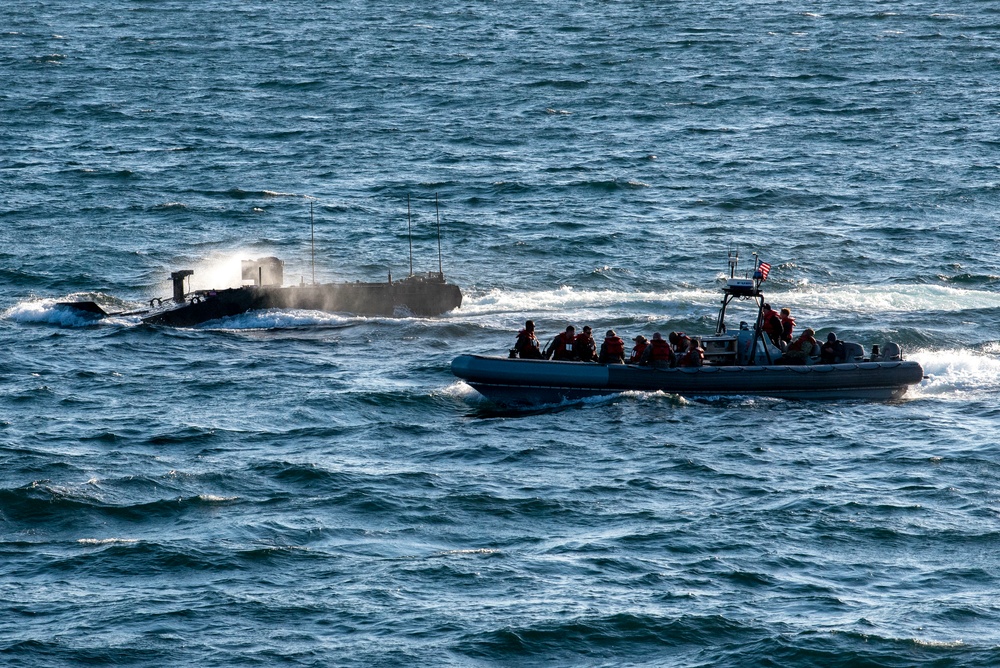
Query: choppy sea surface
point(314, 489)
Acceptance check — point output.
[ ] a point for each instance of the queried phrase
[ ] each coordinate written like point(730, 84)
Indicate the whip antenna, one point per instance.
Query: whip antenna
point(438, 208)
point(312, 228)
point(409, 231)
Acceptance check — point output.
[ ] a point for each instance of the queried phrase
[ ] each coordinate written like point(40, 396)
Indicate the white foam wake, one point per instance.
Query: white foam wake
point(957, 373)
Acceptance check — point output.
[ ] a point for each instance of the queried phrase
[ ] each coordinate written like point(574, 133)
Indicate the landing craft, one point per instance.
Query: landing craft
point(423, 295)
point(744, 362)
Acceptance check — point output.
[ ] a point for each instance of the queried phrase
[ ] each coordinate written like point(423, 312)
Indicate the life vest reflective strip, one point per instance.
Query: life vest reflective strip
point(614, 347)
point(661, 350)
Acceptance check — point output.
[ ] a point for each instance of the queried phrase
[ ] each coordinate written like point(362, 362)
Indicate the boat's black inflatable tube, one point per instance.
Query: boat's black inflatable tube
point(528, 382)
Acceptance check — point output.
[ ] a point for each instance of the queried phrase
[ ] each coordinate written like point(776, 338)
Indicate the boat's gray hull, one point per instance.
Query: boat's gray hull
point(530, 382)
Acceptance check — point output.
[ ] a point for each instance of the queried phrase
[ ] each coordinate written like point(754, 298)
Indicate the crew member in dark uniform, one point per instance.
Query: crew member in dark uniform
point(527, 346)
point(787, 327)
point(561, 346)
point(679, 342)
point(585, 347)
point(832, 352)
point(771, 325)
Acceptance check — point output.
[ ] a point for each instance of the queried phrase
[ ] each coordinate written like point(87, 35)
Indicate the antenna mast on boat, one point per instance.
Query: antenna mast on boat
point(312, 228)
point(438, 209)
point(409, 231)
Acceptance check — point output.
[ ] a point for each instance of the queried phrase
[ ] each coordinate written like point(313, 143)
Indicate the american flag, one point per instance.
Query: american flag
point(764, 268)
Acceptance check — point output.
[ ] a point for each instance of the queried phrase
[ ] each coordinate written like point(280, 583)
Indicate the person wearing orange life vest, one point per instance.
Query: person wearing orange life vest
point(693, 356)
point(527, 346)
point(799, 350)
point(561, 346)
point(679, 341)
point(612, 350)
point(787, 327)
point(585, 347)
point(658, 354)
point(641, 343)
point(771, 324)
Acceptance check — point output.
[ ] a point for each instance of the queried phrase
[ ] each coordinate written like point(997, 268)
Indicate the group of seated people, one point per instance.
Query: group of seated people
point(677, 350)
point(779, 328)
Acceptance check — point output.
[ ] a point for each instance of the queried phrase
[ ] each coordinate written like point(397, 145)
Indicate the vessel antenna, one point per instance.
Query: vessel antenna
point(438, 209)
point(312, 230)
point(409, 231)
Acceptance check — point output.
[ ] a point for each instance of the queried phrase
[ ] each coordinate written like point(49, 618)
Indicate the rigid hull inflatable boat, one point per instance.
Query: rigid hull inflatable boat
point(744, 362)
point(530, 382)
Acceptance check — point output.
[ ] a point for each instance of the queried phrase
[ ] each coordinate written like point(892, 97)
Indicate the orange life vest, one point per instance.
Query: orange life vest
point(803, 343)
point(772, 323)
point(692, 358)
point(584, 343)
point(527, 344)
point(637, 352)
point(661, 351)
point(614, 346)
point(787, 325)
point(563, 348)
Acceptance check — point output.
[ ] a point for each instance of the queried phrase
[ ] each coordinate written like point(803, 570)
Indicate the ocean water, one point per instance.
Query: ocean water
point(313, 489)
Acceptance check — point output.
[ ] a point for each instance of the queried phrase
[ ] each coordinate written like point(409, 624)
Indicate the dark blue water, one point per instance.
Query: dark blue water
point(314, 489)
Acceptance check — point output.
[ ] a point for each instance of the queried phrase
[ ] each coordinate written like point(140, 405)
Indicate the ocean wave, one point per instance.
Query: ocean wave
point(106, 541)
point(49, 312)
point(282, 319)
point(872, 299)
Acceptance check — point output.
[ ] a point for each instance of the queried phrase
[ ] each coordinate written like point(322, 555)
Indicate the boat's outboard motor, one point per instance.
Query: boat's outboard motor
point(853, 352)
point(891, 352)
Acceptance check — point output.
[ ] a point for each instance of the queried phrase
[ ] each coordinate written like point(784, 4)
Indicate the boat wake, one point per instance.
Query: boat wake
point(957, 375)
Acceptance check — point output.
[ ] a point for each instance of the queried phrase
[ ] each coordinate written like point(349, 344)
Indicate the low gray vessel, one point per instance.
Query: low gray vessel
point(743, 362)
point(417, 294)
point(423, 295)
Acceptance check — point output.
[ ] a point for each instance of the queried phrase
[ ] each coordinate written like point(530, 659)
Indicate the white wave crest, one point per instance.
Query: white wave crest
point(106, 541)
point(889, 298)
point(48, 312)
point(279, 319)
point(568, 298)
point(213, 498)
point(569, 302)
